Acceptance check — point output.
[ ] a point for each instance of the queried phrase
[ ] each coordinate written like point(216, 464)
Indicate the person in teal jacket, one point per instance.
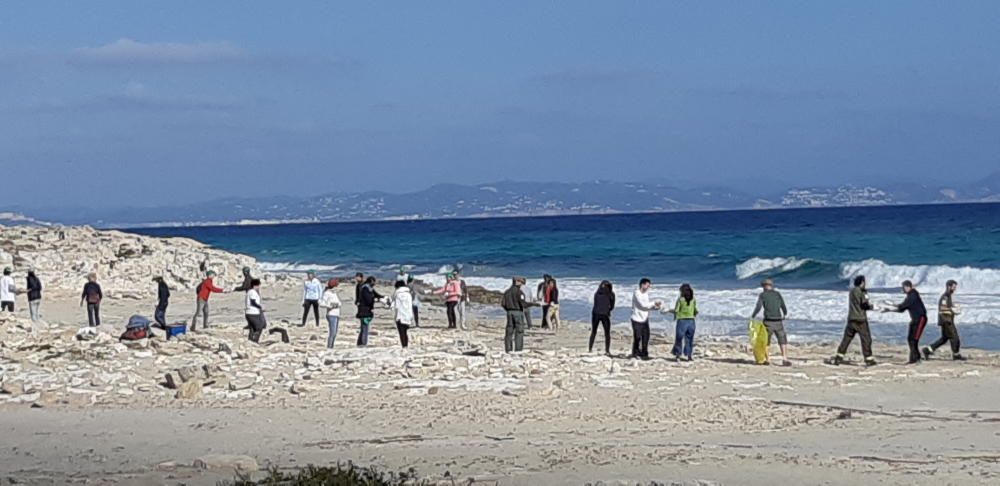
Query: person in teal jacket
point(685, 310)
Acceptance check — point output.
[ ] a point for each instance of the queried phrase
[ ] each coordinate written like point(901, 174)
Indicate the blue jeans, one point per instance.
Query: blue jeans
point(160, 316)
point(366, 323)
point(684, 337)
point(334, 323)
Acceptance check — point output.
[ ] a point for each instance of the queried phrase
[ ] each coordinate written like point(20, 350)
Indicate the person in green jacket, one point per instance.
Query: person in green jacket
point(685, 310)
point(775, 312)
point(857, 323)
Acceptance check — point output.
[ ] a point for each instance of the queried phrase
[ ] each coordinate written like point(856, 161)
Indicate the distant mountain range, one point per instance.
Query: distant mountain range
point(505, 199)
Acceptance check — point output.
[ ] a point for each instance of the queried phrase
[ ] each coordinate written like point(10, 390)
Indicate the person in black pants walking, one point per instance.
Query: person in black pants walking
point(162, 300)
point(918, 319)
point(604, 303)
point(947, 310)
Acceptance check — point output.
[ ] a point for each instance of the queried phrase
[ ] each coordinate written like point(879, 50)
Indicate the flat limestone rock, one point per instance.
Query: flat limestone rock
point(226, 461)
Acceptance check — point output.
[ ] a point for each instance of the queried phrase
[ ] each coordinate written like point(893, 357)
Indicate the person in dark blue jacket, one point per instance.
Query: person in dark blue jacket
point(918, 319)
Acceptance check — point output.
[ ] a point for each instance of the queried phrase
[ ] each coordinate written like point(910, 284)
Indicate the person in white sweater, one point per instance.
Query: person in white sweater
point(312, 289)
point(642, 304)
point(402, 305)
point(254, 310)
point(331, 302)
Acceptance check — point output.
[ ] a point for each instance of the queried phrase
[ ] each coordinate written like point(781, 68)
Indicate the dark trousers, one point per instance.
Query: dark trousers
point(416, 316)
point(913, 337)
point(452, 317)
point(94, 314)
point(640, 339)
point(948, 333)
point(861, 329)
point(545, 316)
point(7, 305)
point(404, 338)
point(256, 324)
point(314, 304)
point(605, 322)
point(160, 315)
point(513, 338)
point(366, 323)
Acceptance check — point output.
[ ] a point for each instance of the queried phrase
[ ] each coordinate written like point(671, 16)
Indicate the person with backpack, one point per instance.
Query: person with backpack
point(205, 290)
point(34, 289)
point(367, 297)
point(402, 304)
point(775, 312)
point(947, 311)
point(604, 303)
point(92, 296)
point(7, 291)
point(857, 323)
point(452, 292)
point(463, 300)
point(685, 310)
point(312, 290)
point(918, 319)
point(331, 302)
point(254, 311)
point(162, 301)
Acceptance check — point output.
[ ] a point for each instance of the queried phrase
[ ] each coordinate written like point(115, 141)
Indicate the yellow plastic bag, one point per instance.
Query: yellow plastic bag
point(758, 341)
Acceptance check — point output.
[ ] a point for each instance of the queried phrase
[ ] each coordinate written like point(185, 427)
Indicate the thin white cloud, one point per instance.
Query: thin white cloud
point(130, 52)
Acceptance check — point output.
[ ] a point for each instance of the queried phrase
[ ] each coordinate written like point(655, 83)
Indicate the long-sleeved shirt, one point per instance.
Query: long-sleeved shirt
point(247, 283)
point(254, 306)
point(402, 304)
point(366, 301)
point(552, 295)
point(858, 305)
point(312, 290)
point(604, 302)
point(684, 309)
point(7, 289)
point(92, 293)
point(773, 305)
point(452, 291)
point(206, 289)
point(162, 295)
point(34, 288)
point(513, 300)
point(641, 305)
point(913, 304)
point(331, 302)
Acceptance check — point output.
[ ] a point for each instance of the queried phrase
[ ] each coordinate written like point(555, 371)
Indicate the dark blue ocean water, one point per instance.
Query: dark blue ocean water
point(811, 252)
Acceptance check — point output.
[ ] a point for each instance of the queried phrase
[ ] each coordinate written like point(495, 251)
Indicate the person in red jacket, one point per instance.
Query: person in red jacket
point(205, 290)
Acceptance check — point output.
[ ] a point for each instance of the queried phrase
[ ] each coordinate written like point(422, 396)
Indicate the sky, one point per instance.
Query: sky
point(112, 103)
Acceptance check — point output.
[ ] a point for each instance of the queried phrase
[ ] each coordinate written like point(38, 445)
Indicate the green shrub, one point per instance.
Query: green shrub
point(340, 475)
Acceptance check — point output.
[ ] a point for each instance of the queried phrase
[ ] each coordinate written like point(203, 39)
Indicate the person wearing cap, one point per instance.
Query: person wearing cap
point(92, 295)
point(452, 292)
point(514, 305)
point(162, 300)
point(947, 310)
point(247, 281)
point(463, 299)
point(34, 290)
point(775, 312)
point(858, 306)
point(402, 305)
point(254, 311)
point(205, 290)
point(914, 305)
point(7, 291)
point(401, 275)
point(312, 290)
point(331, 302)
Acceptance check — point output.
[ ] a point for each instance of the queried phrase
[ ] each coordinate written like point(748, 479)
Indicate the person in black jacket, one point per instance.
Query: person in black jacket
point(247, 281)
point(604, 303)
point(34, 286)
point(540, 298)
point(918, 319)
point(92, 296)
point(367, 297)
point(515, 305)
point(162, 300)
point(552, 299)
point(359, 281)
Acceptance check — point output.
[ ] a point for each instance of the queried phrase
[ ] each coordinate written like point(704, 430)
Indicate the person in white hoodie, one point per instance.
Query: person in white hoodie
point(402, 304)
point(7, 291)
point(331, 302)
point(642, 304)
point(312, 290)
point(254, 310)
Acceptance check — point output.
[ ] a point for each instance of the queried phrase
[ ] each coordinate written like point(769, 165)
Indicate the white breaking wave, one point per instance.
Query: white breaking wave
point(757, 266)
point(928, 278)
point(296, 267)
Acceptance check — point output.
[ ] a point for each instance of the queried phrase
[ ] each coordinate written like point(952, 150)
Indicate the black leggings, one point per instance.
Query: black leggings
point(640, 339)
point(416, 316)
point(452, 319)
point(604, 321)
point(404, 338)
point(305, 310)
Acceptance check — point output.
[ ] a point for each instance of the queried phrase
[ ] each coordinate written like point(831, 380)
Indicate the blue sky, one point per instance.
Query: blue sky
point(142, 103)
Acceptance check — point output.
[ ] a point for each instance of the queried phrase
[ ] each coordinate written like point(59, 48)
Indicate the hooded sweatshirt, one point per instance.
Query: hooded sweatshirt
point(402, 304)
point(34, 287)
point(604, 302)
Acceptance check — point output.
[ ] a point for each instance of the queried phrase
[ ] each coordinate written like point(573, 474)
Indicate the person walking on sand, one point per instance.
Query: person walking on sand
point(775, 312)
point(312, 290)
point(366, 309)
point(600, 314)
point(7, 291)
point(552, 301)
point(947, 311)
point(402, 305)
point(204, 290)
point(34, 289)
point(331, 302)
point(685, 310)
point(92, 295)
point(247, 281)
point(463, 299)
point(540, 297)
point(642, 304)
point(452, 292)
point(514, 305)
point(254, 311)
point(914, 305)
point(857, 323)
point(162, 301)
